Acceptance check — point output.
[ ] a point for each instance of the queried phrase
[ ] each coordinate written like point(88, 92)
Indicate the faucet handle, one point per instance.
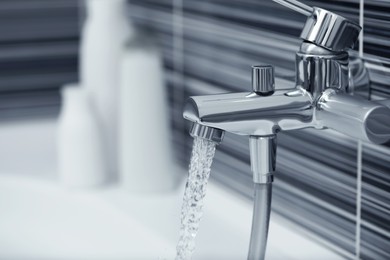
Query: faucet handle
point(263, 79)
point(324, 28)
point(329, 30)
point(296, 6)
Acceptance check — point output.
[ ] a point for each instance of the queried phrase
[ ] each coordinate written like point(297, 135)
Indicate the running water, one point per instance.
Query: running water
point(202, 156)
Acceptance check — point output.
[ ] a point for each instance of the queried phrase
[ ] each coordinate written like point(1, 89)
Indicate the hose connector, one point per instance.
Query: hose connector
point(209, 133)
point(263, 158)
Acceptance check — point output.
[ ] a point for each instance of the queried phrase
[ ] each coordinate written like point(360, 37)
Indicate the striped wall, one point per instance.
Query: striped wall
point(38, 53)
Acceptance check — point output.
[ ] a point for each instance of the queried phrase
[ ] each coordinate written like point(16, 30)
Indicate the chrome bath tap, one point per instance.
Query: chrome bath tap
point(323, 98)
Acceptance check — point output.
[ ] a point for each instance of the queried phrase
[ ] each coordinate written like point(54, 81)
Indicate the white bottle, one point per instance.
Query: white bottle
point(80, 148)
point(146, 158)
point(105, 33)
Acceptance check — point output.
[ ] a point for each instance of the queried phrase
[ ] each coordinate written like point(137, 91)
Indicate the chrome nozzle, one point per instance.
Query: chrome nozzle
point(209, 133)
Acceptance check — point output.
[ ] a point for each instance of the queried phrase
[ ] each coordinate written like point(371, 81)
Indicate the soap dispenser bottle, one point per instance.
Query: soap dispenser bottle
point(80, 150)
point(146, 156)
point(105, 32)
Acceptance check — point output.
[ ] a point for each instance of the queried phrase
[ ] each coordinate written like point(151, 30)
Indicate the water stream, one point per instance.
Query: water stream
point(199, 171)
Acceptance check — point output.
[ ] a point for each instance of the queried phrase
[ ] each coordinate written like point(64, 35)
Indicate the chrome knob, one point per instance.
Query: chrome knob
point(263, 79)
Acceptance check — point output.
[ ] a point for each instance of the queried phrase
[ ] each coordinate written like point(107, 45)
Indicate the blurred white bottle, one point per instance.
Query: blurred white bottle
point(146, 156)
point(105, 32)
point(80, 149)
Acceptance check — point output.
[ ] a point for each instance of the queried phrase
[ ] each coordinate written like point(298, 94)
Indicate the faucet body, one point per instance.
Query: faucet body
point(252, 114)
point(321, 99)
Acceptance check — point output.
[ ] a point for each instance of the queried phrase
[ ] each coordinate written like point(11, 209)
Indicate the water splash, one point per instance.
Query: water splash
point(199, 171)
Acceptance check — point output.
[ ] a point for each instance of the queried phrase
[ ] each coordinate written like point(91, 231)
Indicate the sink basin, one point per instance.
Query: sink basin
point(41, 220)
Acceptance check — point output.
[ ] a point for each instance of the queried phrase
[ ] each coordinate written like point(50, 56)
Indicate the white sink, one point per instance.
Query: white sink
point(41, 220)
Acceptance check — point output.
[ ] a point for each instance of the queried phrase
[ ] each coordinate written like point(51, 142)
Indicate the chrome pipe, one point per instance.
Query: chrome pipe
point(354, 116)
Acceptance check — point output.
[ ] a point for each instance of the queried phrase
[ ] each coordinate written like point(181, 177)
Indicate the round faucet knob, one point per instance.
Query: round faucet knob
point(263, 79)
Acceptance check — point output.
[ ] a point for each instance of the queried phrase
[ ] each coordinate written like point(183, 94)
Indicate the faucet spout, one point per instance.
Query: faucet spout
point(251, 113)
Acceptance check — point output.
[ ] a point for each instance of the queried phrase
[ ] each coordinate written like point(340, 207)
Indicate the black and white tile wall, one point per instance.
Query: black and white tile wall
point(334, 188)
